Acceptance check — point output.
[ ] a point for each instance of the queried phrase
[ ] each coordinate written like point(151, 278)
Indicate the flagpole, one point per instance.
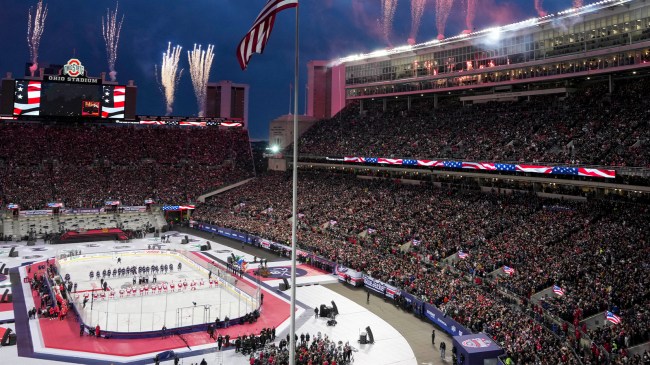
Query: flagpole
point(294, 209)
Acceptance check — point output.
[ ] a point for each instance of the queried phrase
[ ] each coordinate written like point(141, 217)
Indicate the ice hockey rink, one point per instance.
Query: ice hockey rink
point(185, 295)
point(389, 348)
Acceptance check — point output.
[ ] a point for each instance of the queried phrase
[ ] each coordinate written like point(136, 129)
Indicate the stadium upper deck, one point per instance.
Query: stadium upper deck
point(606, 37)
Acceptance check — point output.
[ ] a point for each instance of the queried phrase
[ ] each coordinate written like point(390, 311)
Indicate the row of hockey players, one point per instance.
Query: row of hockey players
point(152, 289)
point(133, 270)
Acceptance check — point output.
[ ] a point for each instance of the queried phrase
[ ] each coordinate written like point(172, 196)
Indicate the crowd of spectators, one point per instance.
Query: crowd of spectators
point(310, 350)
point(84, 165)
point(589, 127)
point(400, 233)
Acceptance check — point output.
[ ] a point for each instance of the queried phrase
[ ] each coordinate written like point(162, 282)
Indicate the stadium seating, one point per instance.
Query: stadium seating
point(590, 127)
point(82, 166)
point(595, 250)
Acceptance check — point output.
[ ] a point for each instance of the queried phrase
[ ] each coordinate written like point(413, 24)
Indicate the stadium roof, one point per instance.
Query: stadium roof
point(571, 12)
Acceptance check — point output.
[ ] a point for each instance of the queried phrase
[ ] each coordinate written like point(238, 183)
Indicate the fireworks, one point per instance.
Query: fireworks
point(35, 27)
point(578, 3)
point(169, 75)
point(539, 7)
point(388, 8)
point(200, 63)
point(111, 29)
point(417, 9)
point(471, 14)
point(443, 8)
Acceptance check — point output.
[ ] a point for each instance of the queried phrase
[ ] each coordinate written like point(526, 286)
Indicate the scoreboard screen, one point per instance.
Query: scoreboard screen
point(63, 99)
point(66, 100)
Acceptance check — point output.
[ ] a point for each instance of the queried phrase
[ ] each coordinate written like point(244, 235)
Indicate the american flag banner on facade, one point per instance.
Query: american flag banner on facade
point(453, 164)
point(558, 290)
point(255, 40)
point(113, 101)
point(27, 98)
point(611, 317)
point(479, 166)
point(230, 124)
point(535, 169)
point(390, 161)
point(504, 167)
point(508, 270)
point(354, 159)
point(462, 255)
point(430, 163)
point(174, 208)
point(191, 124)
point(488, 166)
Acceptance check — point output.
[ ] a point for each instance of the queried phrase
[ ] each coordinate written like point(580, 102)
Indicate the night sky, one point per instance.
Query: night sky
point(329, 29)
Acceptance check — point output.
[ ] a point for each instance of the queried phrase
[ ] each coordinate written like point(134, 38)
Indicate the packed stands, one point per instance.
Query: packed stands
point(83, 165)
point(402, 234)
point(589, 127)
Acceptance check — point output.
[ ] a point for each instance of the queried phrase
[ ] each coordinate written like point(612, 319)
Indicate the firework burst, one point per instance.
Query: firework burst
point(35, 27)
point(417, 9)
point(443, 8)
point(388, 8)
point(471, 14)
point(200, 64)
point(169, 75)
point(111, 29)
point(539, 7)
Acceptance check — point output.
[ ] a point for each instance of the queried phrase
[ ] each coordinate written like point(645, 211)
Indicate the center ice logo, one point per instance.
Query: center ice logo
point(285, 272)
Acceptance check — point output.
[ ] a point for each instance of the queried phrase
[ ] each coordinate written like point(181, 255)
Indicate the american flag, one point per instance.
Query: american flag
point(12, 206)
point(371, 159)
point(416, 242)
point(462, 255)
point(390, 161)
point(561, 170)
point(429, 163)
point(27, 97)
point(534, 168)
point(611, 317)
point(508, 270)
point(453, 164)
point(609, 174)
point(479, 166)
point(55, 205)
point(558, 290)
point(408, 162)
point(229, 124)
point(148, 201)
point(177, 207)
point(255, 40)
point(354, 159)
point(113, 101)
point(505, 167)
point(112, 202)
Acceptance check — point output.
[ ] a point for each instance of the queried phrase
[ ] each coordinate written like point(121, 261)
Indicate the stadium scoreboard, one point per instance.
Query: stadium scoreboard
point(68, 95)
